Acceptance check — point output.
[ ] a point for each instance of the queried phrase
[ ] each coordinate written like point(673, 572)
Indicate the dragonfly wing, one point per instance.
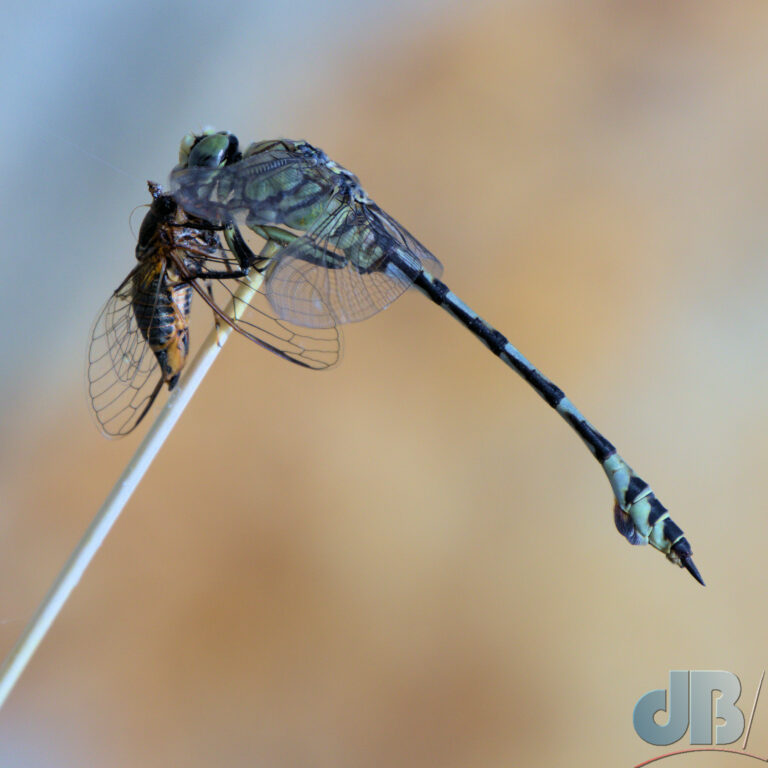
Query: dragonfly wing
point(401, 240)
point(272, 186)
point(122, 376)
point(314, 296)
point(200, 191)
point(355, 262)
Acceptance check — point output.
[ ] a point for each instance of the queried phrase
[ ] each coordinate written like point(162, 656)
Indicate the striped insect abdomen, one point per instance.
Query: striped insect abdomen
point(162, 314)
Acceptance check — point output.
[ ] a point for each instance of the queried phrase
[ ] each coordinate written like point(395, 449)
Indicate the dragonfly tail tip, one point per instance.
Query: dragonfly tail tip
point(693, 570)
point(680, 554)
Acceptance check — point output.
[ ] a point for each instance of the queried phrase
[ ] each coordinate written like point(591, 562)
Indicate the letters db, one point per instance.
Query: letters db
point(690, 702)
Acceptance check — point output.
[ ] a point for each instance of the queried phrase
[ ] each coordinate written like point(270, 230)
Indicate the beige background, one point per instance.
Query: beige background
point(410, 560)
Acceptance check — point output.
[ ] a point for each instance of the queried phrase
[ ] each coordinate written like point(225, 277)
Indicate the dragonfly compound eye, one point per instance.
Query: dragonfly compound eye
point(214, 151)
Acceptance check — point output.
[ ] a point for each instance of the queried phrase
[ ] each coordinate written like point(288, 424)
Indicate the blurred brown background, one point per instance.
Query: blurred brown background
point(410, 560)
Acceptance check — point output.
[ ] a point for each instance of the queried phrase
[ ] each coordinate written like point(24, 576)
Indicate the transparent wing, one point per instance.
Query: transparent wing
point(385, 227)
point(122, 375)
point(253, 317)
point(355, 262)
point(277, 184)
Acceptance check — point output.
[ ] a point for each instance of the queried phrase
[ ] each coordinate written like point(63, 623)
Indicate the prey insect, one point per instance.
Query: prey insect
point(140, 339)
point(344, 259)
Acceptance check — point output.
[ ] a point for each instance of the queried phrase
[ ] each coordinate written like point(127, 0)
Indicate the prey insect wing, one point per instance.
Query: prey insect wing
point(141, 338)
point(123, 377)
point(255, 320)
point(225, 256)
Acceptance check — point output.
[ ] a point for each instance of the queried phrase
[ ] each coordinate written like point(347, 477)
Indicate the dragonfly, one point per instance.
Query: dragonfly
point(140, 340)
point(342, 258)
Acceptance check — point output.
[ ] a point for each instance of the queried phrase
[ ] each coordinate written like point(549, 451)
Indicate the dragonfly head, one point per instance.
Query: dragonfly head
point(211, 149)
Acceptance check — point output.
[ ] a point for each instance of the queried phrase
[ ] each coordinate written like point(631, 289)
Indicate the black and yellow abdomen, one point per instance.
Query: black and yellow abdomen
point(162, 311)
